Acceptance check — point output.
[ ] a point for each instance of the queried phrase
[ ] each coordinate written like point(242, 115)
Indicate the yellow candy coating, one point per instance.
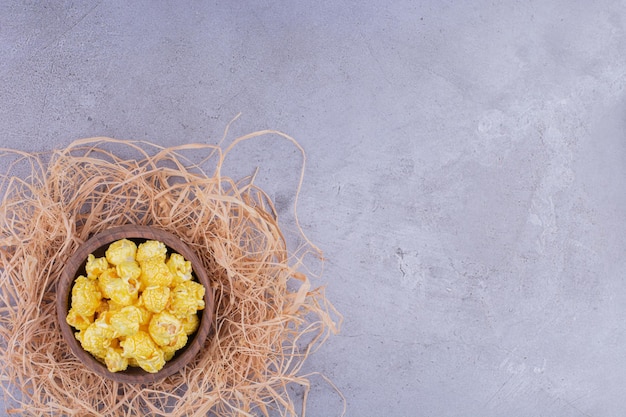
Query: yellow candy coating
point(76, 320)
point(191, 323)
point(187, 298)
point(126, 322)
point(117, 289)
point(145, 314)
point(96, 339)
point(123, 250)
point(164, 328)
point(95, 266)
point(180, 268)
point(114, 360)
point(136, 307)
point(168, 353)
point(113, 306)
point(85, 296)
point(155, 273)
point(128, 270)
point(138, 346)
point(102, 307)
point(154, 363)
point(106, 281)
point(151, 249)
point(178, 342)
point(123, 292)
point(155, 299)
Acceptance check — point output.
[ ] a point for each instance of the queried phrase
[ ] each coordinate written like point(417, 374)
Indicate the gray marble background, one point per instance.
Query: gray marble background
point(465, 172)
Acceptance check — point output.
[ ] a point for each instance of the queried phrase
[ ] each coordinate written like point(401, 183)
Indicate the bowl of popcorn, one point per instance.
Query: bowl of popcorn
point(134, 304)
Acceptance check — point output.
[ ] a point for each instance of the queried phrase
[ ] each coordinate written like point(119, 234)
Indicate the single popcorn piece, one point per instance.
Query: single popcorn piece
point(95, 266)
point(126, 322)
point(134, 285)
point(106, 280)
point(151, 249)
point(85, 296)
point(164, 328)
point(180, 268)
point(114, 360)
point(76, 320)
point(155, 273)
point(128, 270)
point(117, 289)
point(187, 298)
point(138, 346)
point(155, 298)
point(123, 292)
point(123, 250)
point(178, 343)
point(191, 323)
point(154, 363)
point(96, 339)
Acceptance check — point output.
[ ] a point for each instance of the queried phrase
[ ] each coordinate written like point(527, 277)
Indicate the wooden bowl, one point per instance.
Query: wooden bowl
point(98, 245)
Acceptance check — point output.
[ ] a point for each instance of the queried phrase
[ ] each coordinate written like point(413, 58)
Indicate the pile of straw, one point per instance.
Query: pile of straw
point(267, 317)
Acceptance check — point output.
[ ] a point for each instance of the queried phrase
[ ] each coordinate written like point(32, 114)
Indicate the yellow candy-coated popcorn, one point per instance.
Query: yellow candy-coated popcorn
point(96, 339)
point(115, 344)
point(154, 363)
point(123, 250)
point(102, 307)
point(168, 353)
point(180, 268)
point(191, 323)
point(178, 342)
point(134, 308)
point(187, 297)
point(123, 292)
point(128, 270)
point(113, 306)
point(104, 321)
point(155, 299)
point(138, 346)
point(85, 296)
point(95, 266)
point(105, 281)
point(164, 327)
point(155, 273)
point(126, 322)
point(76, 320)
point(117, 289)
point(145, 314)
point(151, 249)
point(114, 360)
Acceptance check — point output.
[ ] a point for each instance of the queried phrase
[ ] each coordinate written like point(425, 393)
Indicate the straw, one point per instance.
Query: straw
point(268, 317)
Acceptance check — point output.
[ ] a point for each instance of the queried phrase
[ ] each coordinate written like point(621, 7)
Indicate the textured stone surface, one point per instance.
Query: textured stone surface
point(465, 172)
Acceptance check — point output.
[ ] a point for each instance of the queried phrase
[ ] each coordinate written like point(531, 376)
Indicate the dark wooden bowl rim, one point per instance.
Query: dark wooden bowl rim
point(76, 263)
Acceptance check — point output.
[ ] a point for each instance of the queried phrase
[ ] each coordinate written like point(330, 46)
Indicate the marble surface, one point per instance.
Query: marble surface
point(465, 172)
